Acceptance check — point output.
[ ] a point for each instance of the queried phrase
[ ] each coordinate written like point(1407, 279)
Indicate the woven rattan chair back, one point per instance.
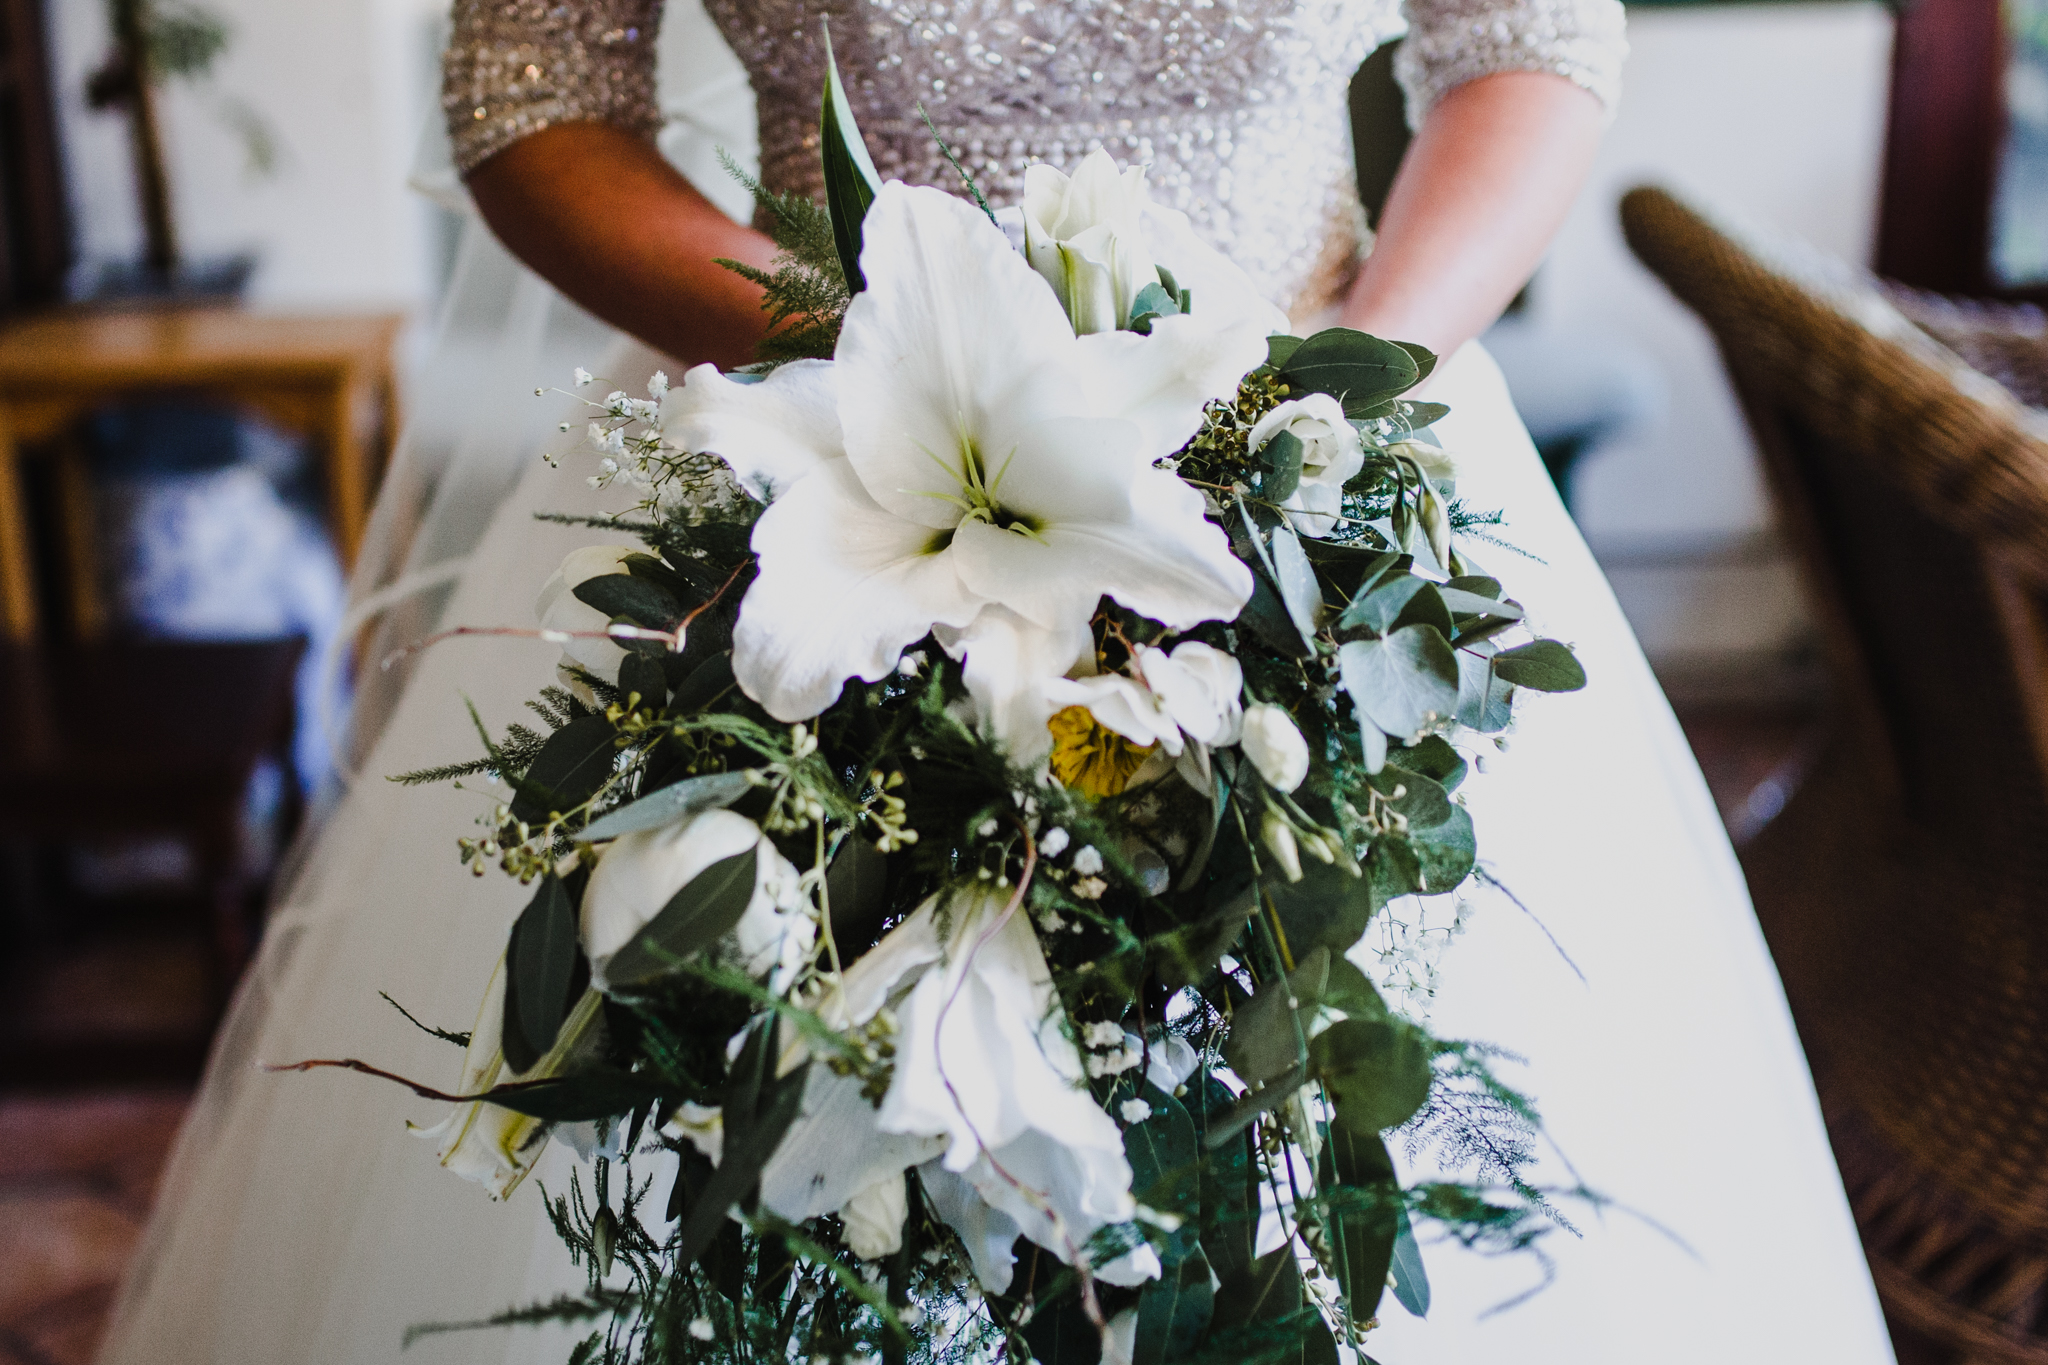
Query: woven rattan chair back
point(1904, 889)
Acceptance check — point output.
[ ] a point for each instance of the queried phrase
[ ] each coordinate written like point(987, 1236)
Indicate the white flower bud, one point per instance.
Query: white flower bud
point(1278, 836)
point(873, 1219)
point(1275, 746)
point(1084, 235)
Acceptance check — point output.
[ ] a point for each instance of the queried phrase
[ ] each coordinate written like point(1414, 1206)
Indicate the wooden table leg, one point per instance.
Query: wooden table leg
point(17, 564)
point(347, 493)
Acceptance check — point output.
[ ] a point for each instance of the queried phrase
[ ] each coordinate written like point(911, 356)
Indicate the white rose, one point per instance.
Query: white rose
point(1331, 455)
point(1084, 233)
point(873, 1219)
point(640, 872)
point(560, 609)
point(1274, 746)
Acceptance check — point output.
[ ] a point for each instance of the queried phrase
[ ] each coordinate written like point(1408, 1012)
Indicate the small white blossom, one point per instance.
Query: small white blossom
point(701, 1329)
point(657, 387)
point(1135, 1111)
point(1116, 1062)
point(584, 377)
point(1054, 843)
point(986, 829)
point(1090, 888)
point(1088, 861)
point(1103, 1034)
point(1052, 922)
point(910, 663)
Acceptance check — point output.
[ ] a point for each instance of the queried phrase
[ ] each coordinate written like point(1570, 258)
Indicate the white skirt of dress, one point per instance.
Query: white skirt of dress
point(298, 1222)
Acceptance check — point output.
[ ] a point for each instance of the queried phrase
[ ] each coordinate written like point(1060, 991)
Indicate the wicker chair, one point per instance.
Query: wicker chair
point(1904, 888)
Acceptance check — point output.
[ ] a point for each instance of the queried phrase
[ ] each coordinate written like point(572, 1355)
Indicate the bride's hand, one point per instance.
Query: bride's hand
point(604, 218)
point(1481, 192)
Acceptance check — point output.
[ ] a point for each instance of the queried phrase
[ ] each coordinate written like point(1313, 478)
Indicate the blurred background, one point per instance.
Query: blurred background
point(216, 290)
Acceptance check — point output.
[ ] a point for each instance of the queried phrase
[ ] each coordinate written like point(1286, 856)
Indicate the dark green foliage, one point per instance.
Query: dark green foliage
point(805, 295)
point(544, 972)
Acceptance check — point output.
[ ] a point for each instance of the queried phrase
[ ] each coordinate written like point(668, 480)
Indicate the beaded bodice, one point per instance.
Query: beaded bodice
point(1238, 106)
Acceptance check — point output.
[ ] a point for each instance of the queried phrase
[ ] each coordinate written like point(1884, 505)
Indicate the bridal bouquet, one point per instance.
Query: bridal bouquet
point(957, 838)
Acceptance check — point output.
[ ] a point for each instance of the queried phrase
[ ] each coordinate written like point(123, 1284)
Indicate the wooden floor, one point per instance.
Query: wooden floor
point(78, 1169)
point(77, 1175)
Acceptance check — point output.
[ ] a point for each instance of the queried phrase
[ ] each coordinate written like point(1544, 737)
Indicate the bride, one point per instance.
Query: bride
point(296, 1223)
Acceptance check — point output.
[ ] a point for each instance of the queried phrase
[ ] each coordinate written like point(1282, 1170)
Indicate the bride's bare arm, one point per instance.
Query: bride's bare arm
point(1484, 187)
point(602, 216)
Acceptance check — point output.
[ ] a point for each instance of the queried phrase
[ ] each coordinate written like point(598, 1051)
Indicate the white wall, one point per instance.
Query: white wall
point(1773, 115)
point(343, 85)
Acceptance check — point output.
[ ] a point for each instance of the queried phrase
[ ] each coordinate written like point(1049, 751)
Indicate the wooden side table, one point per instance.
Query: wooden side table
point(330, 378)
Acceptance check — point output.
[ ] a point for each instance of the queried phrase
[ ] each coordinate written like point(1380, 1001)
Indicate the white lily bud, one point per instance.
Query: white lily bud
point(873, 1219)
point(560, 609)
point(1275, 746)
point(1436, 525)
point(1278, 837)
point(491, 1145)
point(1084, 235)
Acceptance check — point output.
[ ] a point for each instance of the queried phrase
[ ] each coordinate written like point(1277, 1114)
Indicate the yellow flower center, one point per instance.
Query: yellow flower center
point(1090, 757)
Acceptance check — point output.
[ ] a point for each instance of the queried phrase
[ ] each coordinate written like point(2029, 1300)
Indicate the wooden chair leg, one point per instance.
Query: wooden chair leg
point(80, 516)
point(17, 563)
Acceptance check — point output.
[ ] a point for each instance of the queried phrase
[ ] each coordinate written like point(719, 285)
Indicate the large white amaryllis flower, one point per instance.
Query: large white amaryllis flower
point(989, 1096)
point(963, 450)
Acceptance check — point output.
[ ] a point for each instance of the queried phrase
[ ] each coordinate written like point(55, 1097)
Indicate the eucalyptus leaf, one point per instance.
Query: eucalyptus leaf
point(752, 1134)
point(1410, 1281)
point(638, 674)
point(1485, 700)
point(544, 974)
point(1279, 348)
point(1360, 371)
point(1154, 301)
point(1378, 607)
point(627, 595)
point(708, 908)
point(857, 890)
point(1424, 358)
point(1438, 840)
point(582, 1098)
point(1327, 908)
point(1434, 758)
point(1540, 666)
point(1357, 1173)
point(1420, 415)
point(1376, 1071)
point(1427, 608)
point(702, 685)
point(1269, 1032)
point(667, 805)
point(1477, 584)
point(1299, 589)
point(1174, 1309)
point(1282, 454)
point(1462, 603)
point(570, 767)
point(851, 180)
point(1403, 683)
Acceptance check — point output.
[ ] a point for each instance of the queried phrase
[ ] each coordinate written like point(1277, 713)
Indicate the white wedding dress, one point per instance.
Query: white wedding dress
point(299, 1223)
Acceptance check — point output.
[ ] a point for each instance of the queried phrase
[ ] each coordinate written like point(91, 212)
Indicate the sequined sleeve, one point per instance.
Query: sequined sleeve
point(513, 67)
point(1454, 41)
